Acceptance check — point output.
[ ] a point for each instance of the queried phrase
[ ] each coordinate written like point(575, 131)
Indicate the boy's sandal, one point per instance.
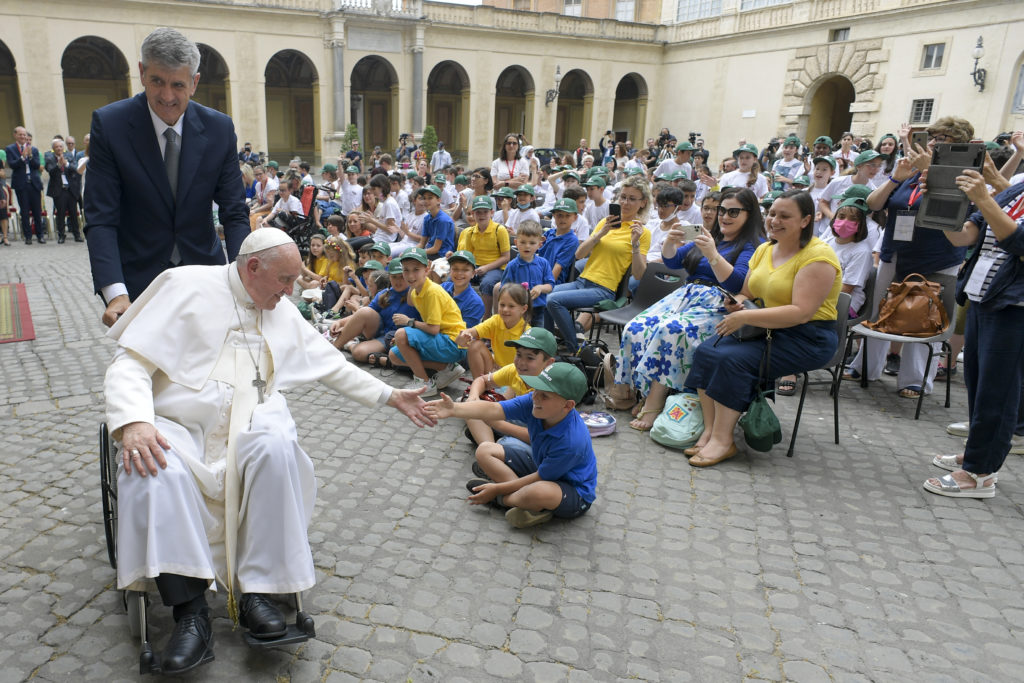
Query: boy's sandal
point(910, 392)
point(787, 387)
point(985, 486)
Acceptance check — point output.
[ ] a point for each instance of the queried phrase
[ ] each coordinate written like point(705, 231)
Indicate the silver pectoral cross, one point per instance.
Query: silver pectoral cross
point(260, 385)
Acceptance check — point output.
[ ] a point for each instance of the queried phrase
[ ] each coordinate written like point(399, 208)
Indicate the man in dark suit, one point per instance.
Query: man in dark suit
point(64, 189)
point(23, 162)
point(157, 163)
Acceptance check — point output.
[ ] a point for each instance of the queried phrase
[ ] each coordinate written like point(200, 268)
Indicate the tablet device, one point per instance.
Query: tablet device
point(944, 206)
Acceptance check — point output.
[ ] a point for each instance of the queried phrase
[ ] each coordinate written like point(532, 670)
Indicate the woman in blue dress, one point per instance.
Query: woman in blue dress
point(658, 345)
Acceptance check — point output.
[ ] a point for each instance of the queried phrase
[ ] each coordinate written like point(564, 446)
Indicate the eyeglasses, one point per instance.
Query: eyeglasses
point(938, 137)
point(512, 142)
point(732, 211)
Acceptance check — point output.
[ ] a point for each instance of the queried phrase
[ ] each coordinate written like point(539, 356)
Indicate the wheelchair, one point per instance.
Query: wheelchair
point(137, 602)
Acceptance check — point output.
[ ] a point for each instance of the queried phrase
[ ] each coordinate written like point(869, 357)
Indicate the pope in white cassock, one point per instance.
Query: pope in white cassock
point(213, 486)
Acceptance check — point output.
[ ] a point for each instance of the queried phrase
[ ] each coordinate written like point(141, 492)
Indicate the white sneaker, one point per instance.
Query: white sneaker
point(958, 428)
point(443, 378)
point(430, 390)
point(960, 357)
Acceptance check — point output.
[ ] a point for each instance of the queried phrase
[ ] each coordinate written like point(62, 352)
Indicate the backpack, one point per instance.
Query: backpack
point(590, 360)
point(681, 422)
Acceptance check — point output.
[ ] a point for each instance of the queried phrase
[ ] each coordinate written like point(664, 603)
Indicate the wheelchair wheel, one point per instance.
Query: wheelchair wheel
point(108, 492)
point(131, 600)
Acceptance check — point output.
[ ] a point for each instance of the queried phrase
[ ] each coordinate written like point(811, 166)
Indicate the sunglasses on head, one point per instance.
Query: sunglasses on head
point(733, 212)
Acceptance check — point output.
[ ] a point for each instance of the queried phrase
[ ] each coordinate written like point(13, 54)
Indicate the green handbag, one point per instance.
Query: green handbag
point(761, 428)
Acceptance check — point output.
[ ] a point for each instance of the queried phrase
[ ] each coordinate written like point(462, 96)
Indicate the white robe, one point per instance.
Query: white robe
point(184, 364)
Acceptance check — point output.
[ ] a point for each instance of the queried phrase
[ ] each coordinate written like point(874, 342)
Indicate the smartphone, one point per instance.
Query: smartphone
point(615, 210)
point(919, 138)
point(689, 230)
point(727, 294)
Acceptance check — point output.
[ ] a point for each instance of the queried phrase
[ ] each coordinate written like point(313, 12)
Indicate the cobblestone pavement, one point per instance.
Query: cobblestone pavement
point(830, 566)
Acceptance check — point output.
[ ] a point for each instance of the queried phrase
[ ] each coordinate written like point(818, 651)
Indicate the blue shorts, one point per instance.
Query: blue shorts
point(439, 348)
point(519, 457)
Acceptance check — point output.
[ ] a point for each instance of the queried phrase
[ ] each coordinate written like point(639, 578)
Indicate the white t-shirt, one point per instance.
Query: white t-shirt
point(658, 237)
point(403, 202)
point(293, 205)
point(594, 213)
point(790, 169)
point(351, 196)
point(581, 228)
point(691, 215)
point(855, 258)
point(670, 166)
point(502, 170)
point(821, 228)
point(388, 209)
point(414, 224)
point(740, 178)
point(449, 195)
point(517, 216)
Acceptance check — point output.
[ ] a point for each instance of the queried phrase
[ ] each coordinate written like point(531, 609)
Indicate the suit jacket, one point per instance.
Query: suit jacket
point(56, 184)
point(19, 181)
point(133, 221)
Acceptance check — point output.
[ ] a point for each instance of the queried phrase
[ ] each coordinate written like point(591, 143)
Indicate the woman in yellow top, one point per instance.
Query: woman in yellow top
point(799, 278)
point(615, 247)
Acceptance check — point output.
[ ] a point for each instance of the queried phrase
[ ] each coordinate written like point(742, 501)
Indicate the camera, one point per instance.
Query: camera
point(1003, 138)
point(694, 136)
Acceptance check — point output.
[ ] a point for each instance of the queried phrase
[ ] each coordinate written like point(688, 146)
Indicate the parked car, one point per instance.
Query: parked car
point(546, 154)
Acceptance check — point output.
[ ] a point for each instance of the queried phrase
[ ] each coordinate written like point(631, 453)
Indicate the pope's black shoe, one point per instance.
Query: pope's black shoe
point(261, 616)
point(191, 644)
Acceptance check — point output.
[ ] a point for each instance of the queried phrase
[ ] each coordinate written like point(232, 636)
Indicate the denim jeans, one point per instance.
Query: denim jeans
point(564, 298)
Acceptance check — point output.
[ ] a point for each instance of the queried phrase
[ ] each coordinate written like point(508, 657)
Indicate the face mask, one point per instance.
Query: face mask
point(524, 207)
point(845, 228)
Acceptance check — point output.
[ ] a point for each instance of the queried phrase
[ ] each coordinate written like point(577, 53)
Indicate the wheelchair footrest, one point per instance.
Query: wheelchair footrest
point(302, 630)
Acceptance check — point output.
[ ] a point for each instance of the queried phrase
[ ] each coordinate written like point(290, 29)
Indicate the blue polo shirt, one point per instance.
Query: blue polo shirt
point(398, 303)
point(469, 302)
point(440, 227)
point(560, 249)
point(563, 452)
point(535, 272)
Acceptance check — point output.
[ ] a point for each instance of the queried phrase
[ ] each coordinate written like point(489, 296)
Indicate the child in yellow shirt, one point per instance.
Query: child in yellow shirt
point(509, 323)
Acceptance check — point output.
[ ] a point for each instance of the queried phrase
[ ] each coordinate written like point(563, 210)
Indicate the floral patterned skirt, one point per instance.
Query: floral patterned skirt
point(658, 344)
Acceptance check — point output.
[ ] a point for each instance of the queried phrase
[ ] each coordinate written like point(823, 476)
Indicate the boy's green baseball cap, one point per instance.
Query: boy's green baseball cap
point(352, 169)
point(502, 192)
point(461, 180)
point(566, 205)
point(596, 181)
point(439, 179)
point(865, 156)
point(823, 140)
point(394, 267)
point(749, 147)
point(857, 192)
point(382, 247)
point(273, 164)
point(791, 140)
point(432, 189)
point(563, 379)
point(801, 180)
point(527, 188)
point(482, 202)
point(372, 264)
point(463, 255)
point(829, 160)
point(634, 170)
point(684, 146)
point(330, 168)
point(416, 254)
point(677, 175)
point(536, 338)
point(572, 174)
point(410, 174)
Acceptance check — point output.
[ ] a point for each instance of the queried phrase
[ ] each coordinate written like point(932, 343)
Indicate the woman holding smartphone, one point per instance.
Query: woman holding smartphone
point(658, 345)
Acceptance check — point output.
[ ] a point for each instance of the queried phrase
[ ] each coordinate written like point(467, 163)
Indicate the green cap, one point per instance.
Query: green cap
point(749, 147)
point(463, 255)
point(382, 247)
point(372, 264)
point(865, 156)
point(597, 170)
point(791, 140)
point(461, 179)
point(572, 174)
point(536, 338)
point(566, 205)
point(394, 267)
point(857, 191)
point(829, 160)
point(432, 189)
point(596, 181)
point(563, 379)
point(482, 202)
point(273, 164)
point(503, 192)
point(634, 170)
point(823, 140)
point(802, 180)
point(416, 254)
point(410, 174)
point(527, 188)
point(676, 175)
point(855, 202)
point(352, 169)
point(992, 146)
point(439, 179)
point(684, 146)
point(329, 168)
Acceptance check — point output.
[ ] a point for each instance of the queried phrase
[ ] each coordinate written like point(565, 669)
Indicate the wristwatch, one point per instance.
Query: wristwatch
point(411, 323)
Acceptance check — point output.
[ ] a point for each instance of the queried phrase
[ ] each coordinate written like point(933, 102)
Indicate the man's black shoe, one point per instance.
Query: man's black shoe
point(261, 616)
point(28, 241)
point(79, 238)
point(60, 240)
point(41, 240)
point(191, 644)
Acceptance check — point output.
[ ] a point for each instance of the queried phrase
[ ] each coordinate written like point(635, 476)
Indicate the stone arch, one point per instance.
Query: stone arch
point(862, 63)
point(573, 119)
point(292, 91)
point(10, 95)
point(448, 107)
point(630, 111)
point(513, 104)
point(374, 87)
point(213, 89)
point(95, 73)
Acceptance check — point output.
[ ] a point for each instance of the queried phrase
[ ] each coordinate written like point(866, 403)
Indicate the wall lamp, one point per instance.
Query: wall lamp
point(979, 74)
point(552, 95)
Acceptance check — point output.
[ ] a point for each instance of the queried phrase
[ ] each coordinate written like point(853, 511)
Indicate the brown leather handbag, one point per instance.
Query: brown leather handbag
point(912, 308)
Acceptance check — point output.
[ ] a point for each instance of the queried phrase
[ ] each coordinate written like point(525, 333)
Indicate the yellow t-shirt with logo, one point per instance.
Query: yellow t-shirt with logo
point(775, 285)
point(486, 246)
point(494, 329)
point(437, 307)
point(509, 377)
point(612, 256)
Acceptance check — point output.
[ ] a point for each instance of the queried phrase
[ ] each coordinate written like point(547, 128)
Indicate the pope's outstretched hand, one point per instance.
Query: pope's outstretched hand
point(409, 403)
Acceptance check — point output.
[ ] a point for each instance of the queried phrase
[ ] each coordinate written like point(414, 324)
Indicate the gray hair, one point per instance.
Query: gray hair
point(169, 48)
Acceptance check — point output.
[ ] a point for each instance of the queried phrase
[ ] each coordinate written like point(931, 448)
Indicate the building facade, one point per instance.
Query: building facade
point(294, 73)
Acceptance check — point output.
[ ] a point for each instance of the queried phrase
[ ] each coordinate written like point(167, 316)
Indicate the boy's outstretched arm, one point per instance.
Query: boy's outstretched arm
point(445, 407)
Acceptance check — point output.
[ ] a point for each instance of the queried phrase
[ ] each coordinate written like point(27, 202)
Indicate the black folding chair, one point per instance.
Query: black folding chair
point(657, 282)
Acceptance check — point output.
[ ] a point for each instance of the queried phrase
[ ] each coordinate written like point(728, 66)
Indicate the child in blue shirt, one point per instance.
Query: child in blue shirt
point(463, 267)
point(556, 475)
point(438, 236)
point(530, 270)
point(560, 242)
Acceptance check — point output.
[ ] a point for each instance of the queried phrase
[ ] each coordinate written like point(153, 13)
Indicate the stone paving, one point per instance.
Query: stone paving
point(831, 566)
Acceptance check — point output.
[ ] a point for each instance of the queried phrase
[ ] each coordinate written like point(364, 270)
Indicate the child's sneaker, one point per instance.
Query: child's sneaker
point(418, 383)
point(521, 519)
point(473, 483)
point(479, 471)
point(443, 378)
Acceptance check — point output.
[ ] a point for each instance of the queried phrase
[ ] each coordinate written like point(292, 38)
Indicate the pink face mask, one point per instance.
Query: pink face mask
point(845, 228)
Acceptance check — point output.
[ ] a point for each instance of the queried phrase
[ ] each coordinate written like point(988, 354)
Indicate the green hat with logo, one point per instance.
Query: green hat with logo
point(563, 379)
point(527, 188)
point(831, 161)
point(372, 264)
point(432, 189)
point(684, 146)
point(482, 202)
point(749, 147)
point(857, 191)
point(791, 140)
point(382, 247)
point(802, 180)
point(566, 205)
point(411, 174)
point(855, 202)
point(503, 192)
point(416, 254)
point(536, 338)
point(461, 180)
point(823, 140)
point(634, 170)
point(330, 168)
point(439, 179)
point(676, 175)
point(596, 181)
point(395, 267)
point(865, 156)
point(572, 174)
point(597, 170)
point(352, 169)
point(463, 255)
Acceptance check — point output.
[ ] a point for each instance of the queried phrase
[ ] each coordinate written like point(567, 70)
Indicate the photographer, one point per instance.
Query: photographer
point(247, 156)
point(406, 146)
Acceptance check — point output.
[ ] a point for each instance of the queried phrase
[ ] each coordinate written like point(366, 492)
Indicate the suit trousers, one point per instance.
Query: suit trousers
point(65, 207)
point(30, 200)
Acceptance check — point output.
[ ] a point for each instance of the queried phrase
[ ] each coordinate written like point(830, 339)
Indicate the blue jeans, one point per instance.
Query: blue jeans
point(564, 298)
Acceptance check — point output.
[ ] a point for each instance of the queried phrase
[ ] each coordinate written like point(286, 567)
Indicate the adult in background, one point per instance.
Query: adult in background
point(509, 169)
point(440, 159)
point(581, 152)
point(158, 163)
point(353, 157)
point(23, 162)
point(64, 189)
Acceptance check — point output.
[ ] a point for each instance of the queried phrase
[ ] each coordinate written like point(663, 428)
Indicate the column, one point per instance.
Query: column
point(338, 52)
point(417, 82)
